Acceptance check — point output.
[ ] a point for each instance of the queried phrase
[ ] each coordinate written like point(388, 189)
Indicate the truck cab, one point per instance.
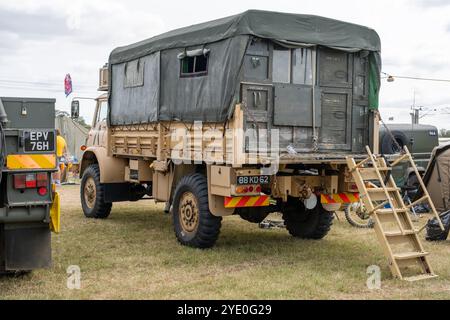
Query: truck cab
point(98, 133)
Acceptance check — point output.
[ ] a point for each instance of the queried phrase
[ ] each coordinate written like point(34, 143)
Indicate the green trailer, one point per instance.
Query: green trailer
point(29, 207)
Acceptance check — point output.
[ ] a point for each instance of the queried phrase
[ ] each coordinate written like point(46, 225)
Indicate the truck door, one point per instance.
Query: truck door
point(336, 83)
point(97, 135)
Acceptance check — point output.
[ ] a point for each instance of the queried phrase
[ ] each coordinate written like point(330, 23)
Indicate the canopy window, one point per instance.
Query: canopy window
point(194, 62)
point(293, 66)
point(134, 74)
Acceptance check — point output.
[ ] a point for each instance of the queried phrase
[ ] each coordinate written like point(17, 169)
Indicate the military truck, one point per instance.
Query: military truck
point(245, 115)
point(29, 207)
point(420, 139)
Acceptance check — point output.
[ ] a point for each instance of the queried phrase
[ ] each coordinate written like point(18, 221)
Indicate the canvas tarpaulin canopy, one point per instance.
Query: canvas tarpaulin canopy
point(293, 29)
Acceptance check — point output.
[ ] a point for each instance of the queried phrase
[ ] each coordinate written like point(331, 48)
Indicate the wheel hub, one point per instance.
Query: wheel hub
point(90, 192)
point(189, 212)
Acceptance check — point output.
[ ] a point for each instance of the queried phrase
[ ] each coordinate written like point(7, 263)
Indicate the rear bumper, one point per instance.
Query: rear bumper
point(25, 214)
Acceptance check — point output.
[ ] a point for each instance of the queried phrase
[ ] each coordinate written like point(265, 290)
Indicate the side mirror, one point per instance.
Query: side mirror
point(75, 109)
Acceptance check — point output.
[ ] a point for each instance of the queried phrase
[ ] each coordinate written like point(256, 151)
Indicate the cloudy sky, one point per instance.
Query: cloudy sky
point(41, 41)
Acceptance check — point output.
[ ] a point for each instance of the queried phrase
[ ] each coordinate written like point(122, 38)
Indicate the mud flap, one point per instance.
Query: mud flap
point(25, 247)
point(55, 214)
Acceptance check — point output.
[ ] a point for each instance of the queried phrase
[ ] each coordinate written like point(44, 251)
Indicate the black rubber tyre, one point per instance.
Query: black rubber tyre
point(363, 223)
point(388, 146)
point(307, 224)
point(98, 208)
point(413, 181)
point(193, 223)
point(412, 186)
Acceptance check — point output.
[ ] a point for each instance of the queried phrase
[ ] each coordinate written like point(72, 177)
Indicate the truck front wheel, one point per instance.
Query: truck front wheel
point(194, 224)
point(307, 224)
point(93, 194)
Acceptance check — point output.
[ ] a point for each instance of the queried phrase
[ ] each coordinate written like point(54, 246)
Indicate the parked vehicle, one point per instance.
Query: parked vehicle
point(420, 139)
point(235, 116)
point(29, 208)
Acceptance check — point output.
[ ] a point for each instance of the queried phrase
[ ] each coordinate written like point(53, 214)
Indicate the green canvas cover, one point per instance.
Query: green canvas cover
point(158, 93)
point(298, 29)
point(308, 29)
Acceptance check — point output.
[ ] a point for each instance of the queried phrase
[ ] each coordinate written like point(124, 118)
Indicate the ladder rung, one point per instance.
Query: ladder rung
point(390, 211)
point(424, 198)
point(401, 159)
point(382, 189)
point(371, 173)
point(391, 234)
point(421, 277)
point(379, 169)
point(380, 206)
point(410, 255)
point(360, 164)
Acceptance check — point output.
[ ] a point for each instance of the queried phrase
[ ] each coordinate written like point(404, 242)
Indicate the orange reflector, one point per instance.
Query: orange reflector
point(339, 198)
point(246, 202)
point(31, 161)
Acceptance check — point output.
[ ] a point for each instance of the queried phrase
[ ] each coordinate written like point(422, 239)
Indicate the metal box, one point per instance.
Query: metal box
point(29, 113)
point(103, 79)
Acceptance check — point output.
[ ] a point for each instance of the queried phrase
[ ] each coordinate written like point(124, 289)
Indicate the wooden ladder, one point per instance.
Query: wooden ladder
point(393, 225)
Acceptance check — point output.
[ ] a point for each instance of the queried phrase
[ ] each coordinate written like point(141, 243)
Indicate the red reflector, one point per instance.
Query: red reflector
point(19, 181)
point(30, 181)
point(42, 191)
point(42, 179)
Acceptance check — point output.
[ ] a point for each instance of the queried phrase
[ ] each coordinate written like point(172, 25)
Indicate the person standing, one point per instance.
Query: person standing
point(61, 150)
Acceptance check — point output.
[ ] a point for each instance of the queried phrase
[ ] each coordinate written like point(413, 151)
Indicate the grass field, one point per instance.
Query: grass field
point(134, 255)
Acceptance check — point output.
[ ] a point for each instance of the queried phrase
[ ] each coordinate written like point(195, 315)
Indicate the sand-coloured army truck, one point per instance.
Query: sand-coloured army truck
point(246, 115)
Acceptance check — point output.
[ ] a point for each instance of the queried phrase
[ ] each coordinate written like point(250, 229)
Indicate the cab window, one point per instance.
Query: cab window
point(102, 112)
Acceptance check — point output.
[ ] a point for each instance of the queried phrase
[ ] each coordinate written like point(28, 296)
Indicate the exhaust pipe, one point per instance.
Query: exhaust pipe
point(3, 115)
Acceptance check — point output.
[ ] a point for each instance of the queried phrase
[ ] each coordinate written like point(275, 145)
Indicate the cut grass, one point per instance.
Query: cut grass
point(134, 255)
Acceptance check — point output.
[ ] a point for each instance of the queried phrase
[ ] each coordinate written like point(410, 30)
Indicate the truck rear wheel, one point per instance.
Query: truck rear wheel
point(93, 194)
point(194, 224)
point(307, 224)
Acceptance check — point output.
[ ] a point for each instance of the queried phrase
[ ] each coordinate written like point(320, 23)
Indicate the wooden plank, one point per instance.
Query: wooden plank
point(383, 189)
point(399, 160)
point(421, 277)
point(410, 255)
point(390, 211)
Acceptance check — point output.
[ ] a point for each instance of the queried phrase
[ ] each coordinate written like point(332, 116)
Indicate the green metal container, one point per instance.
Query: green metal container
point(420, 139)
